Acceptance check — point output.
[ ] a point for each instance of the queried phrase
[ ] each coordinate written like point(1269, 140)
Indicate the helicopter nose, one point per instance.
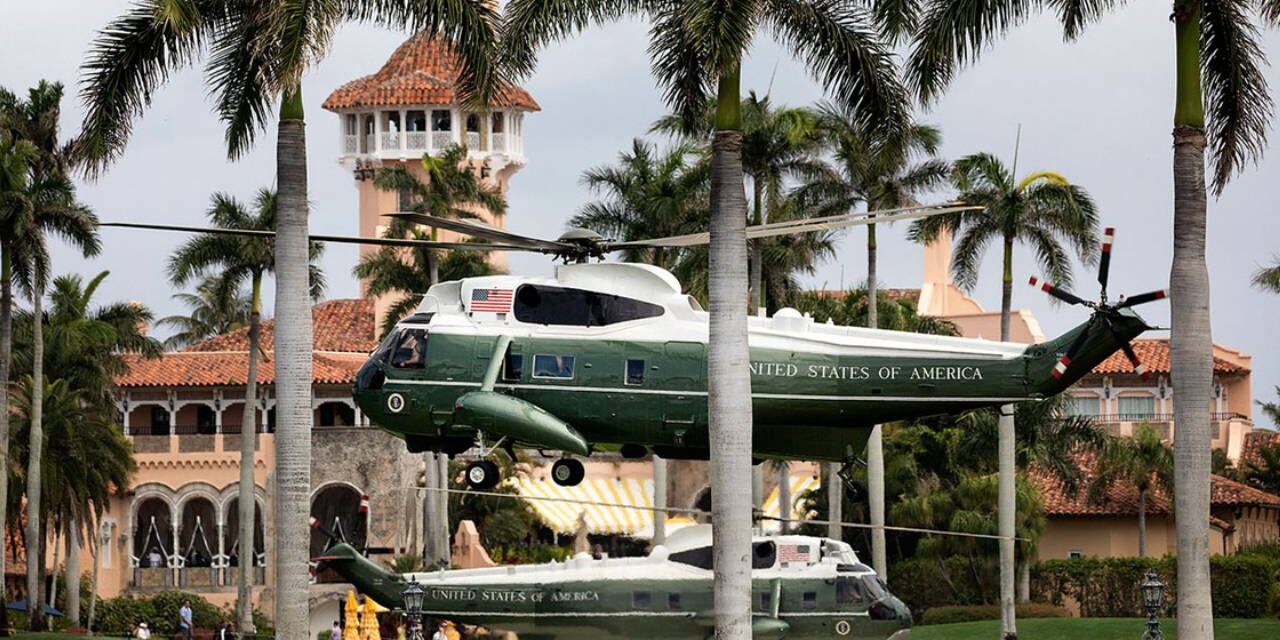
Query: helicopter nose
point(369, 378)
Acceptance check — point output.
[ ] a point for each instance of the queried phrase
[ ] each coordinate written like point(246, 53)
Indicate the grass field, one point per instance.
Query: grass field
point(1090, 629)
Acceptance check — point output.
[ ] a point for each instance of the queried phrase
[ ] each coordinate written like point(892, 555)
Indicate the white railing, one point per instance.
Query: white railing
point(416, 141)
point(441, 139)
point(349, 144)
point(498, 141)
point(473, 141)
point(391, 141)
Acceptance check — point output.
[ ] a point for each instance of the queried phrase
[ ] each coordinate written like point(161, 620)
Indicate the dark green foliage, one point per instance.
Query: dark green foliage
point(953, 614)
point(502, 522)
point(536, 554)
point(850, 310)
point(160, 611)
point(1244, 585)
point(924, 583)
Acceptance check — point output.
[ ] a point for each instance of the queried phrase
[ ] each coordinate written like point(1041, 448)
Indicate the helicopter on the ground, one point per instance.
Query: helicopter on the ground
point(612, 356)
point(802, 587)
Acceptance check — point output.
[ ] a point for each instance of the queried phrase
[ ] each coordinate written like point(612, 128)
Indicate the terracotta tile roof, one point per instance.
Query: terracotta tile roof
point(1257, 439)
point(1122, 500)
point(1154, 353)
point(337, 325)
point(343, 337)
point(422, 71)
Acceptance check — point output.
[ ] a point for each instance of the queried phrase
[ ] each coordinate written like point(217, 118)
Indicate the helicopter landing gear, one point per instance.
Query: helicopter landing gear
point(854, 490)
point(483, 475)
point(568, 472)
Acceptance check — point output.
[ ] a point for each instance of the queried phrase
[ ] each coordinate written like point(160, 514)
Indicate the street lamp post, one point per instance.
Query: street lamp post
point(1152, 601)
point(413, 595)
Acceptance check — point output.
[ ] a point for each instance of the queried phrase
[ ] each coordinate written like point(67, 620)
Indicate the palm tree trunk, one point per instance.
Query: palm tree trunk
point(1007, 516)
point(1024, 580)
point(73, 573)
point(246, 500)
point(35, 449)
point(430, 477)
point(6, 352)
point(875, 443)
point(728, 378)
point(1142, 523)
point(96, 549)
point(293, 373)
point(784, 496)
point(755, 291)
point(659, 501)
point(433, 267)
point(57, 558)
point(442, 509)
point(1191, 342)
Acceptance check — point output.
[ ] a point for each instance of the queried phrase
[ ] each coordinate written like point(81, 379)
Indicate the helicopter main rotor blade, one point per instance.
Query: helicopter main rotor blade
point(1143, 298)
point(804, 225)
point(483, 231)
point(384, 242)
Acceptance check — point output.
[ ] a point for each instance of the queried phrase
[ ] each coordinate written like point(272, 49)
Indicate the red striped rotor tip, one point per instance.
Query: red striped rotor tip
point(1108, 236)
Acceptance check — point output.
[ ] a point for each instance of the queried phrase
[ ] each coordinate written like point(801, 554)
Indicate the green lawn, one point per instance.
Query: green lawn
point(1090, 629)
point(51, 635)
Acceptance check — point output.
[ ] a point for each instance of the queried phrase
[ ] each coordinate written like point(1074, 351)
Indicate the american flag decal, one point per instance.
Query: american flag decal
point(793, 553)
point(490, 300)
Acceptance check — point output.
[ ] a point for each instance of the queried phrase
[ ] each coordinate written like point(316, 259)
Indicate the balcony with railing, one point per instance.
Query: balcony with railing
point(411, 132)
point(1226, 429)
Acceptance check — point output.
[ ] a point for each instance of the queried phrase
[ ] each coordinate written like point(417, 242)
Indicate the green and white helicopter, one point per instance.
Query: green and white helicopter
point(612, 356)
point(802, 587)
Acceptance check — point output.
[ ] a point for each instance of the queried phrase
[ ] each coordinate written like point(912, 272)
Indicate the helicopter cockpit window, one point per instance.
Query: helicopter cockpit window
point(411, 350)
point(557, 367)
point(537, 304)
point(850, 590)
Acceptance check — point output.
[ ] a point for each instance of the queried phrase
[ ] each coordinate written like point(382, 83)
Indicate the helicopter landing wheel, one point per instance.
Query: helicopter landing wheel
point(568, 472)
point(482, 475)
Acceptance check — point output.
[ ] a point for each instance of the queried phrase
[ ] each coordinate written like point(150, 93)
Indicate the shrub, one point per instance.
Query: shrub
point(923, 583)
point(159, 611)
point(971, 613)
point(1241, 584)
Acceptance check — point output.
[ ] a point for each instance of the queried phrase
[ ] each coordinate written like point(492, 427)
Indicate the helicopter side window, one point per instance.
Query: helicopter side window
point(635, 372)
point(809, 601)
point(641, 600)
point(537, 304)
point(673, 601)
point(512, 367)
point(411, 350)
point(556, 367)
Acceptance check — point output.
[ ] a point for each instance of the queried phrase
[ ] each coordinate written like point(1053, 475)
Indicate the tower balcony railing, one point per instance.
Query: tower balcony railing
point(498, 141)
point(350, 144)
point(473, 141)
point(415, 141)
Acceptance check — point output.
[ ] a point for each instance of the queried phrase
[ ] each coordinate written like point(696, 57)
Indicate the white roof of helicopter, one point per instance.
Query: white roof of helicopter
point(796, 555)
point(684, 318)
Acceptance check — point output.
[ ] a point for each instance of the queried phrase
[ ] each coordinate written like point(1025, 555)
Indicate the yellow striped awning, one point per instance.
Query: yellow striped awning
point(801, 483)
point(604, 501)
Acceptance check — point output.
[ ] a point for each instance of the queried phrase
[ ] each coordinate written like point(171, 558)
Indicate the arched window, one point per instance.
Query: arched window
point(335, 414)
point(337, 511)
point(152, 533)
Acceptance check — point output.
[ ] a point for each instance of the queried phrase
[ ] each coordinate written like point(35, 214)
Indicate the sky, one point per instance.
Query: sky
point(1097, 111)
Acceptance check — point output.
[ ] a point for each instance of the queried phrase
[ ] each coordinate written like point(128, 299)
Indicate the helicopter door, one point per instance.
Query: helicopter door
point(684, 368)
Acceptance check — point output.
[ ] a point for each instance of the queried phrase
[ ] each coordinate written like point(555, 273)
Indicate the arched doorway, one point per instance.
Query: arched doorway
point(232, 547)
point(152, 542)
point(336, 508)
point(198, 542)
point(335, 414)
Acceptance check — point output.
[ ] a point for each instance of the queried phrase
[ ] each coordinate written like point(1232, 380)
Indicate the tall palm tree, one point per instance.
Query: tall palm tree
point(258, 52)
point(881, 171)
point(1268, 278)
point(49, 205)
point(1263, 471)
point(1142, 461)
point(1043, 210)
point(1272, 409)
point(695, 46)
point(1218, 61)
point(234, 262)
point(214, 308)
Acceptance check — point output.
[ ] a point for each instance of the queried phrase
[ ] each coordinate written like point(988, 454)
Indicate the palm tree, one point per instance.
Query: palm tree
point(87, 460)
point(880, 171)
point(1143, 462)
point(215, 308)
point(693, 46)
point(229, 263)
point(48, 205)
point(1264, 471)
point(1219, 60)
point(258, 52)
point(1043, 210)
point(1268, 278)
point(650, 192)
point(1272, 409)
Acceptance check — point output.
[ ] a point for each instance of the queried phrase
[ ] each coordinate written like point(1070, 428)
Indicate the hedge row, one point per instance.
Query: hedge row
point(1243, 585)
point(925, 583)
point(972, 613)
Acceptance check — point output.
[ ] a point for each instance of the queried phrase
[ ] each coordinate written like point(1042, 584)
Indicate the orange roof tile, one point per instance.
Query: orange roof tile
point(422, 71)
point(1258, 439)
point(1122, 500)
point(1154, 353)
point(343, 336)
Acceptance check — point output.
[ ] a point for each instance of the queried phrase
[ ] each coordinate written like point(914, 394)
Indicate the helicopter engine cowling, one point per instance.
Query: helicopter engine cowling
point(769, 628)
point(503, 415)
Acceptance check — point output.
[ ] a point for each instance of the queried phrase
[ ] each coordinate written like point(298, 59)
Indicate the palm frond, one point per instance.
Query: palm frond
point(1268, 278)
point(952, 34)
point(1237, 98)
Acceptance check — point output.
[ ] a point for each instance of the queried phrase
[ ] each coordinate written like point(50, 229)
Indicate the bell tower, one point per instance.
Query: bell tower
point(411, 107)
